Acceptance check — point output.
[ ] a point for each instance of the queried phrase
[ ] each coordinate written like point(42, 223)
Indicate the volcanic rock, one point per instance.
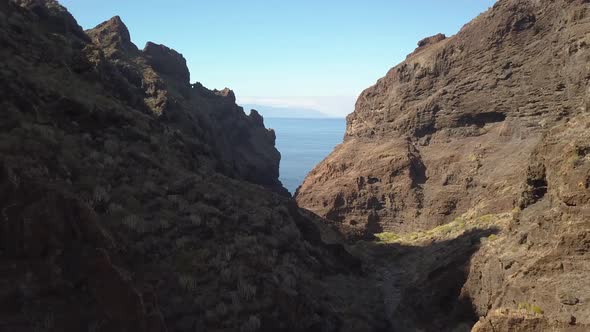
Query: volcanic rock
point(489, 126)
point(167, 61)
point(452, 127)
point(431, 40)
point(112, 34)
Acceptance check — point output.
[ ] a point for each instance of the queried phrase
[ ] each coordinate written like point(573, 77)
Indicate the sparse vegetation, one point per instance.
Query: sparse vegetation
point(45, 324)
point(131, 221)
point(530, 308)
point(245, 290)
point(188, 282)
point(387, 237)
point(188, 260)
point(100, 196)
point(456, 227)
point(251, 325)
point(195, 220)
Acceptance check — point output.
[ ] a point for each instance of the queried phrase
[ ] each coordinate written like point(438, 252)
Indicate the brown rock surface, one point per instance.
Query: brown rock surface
point(523, 321)
point(490, 122)
point(452, 127)
point(431, 40)
point(542, 261)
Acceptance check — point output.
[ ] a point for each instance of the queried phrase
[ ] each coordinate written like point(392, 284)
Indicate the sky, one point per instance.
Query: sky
point(317, 54)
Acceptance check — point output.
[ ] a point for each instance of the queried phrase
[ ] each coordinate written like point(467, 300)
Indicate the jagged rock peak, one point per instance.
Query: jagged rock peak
point(112, 33)
point(226, 93)
point(167, 61)
point(256, 118)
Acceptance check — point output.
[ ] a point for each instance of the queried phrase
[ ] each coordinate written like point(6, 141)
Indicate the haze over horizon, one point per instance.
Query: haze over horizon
point(292, 54)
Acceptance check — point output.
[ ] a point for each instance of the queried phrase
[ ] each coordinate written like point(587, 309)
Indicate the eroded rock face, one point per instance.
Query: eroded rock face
point(492, 120)
point(541, 264)
point(452, 127)
point(431, 40)
point(517, 321)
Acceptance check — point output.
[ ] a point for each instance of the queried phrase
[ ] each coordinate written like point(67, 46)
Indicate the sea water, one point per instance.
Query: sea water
point(304, 143)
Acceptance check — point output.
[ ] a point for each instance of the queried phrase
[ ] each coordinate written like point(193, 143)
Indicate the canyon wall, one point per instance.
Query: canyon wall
point(487, 127)
point(452, 127)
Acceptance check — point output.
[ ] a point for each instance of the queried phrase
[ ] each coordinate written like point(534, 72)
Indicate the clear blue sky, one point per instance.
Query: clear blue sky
point(291, 50)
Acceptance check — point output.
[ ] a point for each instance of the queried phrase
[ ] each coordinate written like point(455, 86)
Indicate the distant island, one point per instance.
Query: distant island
point(285, 112)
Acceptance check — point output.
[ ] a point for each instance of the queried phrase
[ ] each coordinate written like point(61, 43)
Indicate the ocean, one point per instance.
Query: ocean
point(303, 143)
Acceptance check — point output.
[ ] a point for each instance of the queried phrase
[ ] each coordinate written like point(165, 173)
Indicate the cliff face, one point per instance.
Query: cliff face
point(541, 263)
point(452, 127)
point(131, 200)
point(486, 130)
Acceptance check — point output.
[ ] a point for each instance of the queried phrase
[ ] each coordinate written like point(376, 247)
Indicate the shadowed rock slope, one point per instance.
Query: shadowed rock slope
point(132, 200)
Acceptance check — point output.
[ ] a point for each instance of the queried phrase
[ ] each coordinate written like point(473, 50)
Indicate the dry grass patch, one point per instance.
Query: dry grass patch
point(453, 229)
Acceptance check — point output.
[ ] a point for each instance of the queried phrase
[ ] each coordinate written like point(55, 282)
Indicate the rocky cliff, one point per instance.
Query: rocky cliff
point(541, 262)
point(488, 130)
point(452, 127)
